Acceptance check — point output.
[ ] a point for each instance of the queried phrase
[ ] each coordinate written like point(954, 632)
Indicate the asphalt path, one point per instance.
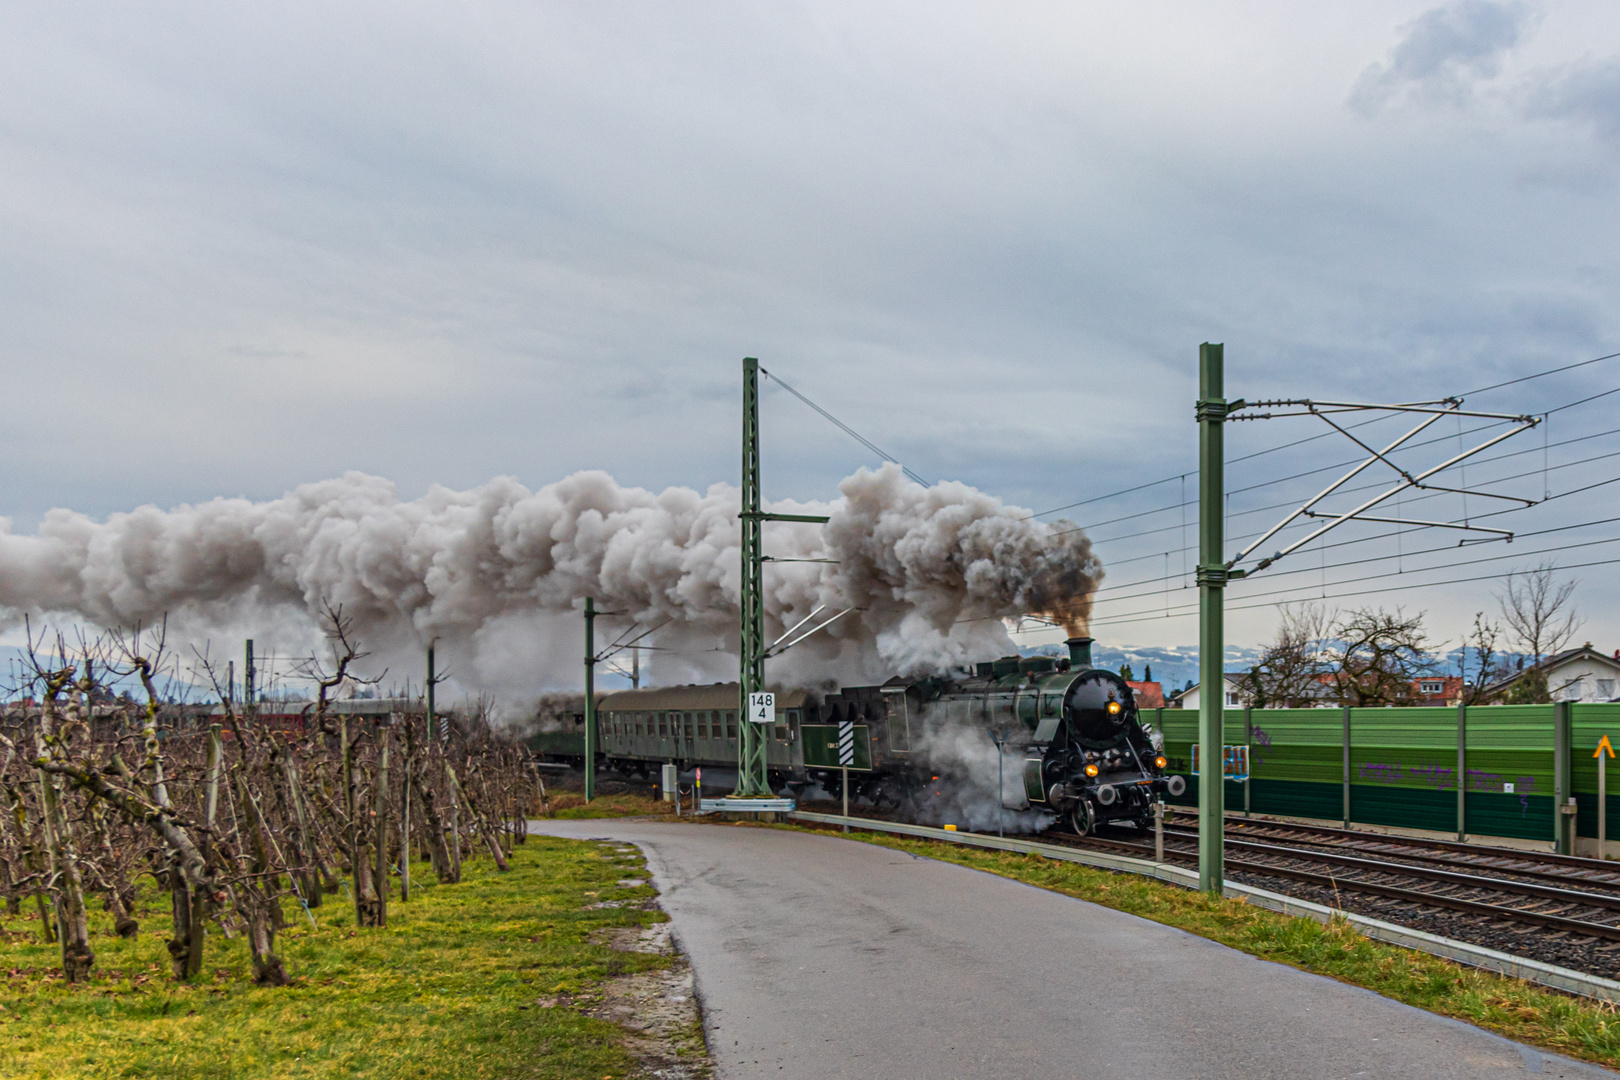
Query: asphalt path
point(820, 958)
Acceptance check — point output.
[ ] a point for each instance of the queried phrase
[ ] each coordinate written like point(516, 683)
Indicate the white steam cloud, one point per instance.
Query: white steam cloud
point(974, 784)
point(498, 574)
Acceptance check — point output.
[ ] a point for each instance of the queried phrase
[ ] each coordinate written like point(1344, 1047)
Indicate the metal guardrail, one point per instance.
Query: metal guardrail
point(779, 806)
point(1573, 982)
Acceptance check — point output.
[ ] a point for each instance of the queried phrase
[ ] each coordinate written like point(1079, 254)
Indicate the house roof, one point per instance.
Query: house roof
point(1149, 695)
point(1550, 664)
point(1231, 677)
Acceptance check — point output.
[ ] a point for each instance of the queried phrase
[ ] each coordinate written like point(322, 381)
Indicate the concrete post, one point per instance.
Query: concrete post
point(1462, 773)
point(1347, 766)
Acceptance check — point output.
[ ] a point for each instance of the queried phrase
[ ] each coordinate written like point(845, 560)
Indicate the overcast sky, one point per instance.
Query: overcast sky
point(245, 247)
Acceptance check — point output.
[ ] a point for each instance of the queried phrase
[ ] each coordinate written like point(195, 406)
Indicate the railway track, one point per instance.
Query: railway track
point(1567, 870)
point(1578, 913)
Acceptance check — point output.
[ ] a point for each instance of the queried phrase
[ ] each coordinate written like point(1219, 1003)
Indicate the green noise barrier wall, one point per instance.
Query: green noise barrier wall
point(1404, 767)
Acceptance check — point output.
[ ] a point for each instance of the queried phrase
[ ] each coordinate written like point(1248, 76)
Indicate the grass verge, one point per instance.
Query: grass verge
point(1578, 1027)
point(452, 987)
point(570, 804)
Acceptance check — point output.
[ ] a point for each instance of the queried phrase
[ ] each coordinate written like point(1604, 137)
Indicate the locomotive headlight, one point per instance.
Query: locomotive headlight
point(1161, 761)
point(1113, 708)
point(1091, 770)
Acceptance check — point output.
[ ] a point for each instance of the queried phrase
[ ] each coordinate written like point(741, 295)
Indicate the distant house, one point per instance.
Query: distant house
point(1236, 692)
point(1438, 690)
point(1582, 674)
point(1149, 695)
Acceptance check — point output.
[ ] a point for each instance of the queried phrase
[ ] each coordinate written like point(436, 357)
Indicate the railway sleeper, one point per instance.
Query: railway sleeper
point(1510, 915)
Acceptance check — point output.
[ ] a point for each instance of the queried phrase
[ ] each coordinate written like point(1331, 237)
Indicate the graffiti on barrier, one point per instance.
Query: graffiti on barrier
point(1444, 778)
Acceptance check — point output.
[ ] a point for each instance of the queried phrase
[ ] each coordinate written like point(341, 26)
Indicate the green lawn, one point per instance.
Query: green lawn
point(441, 992)
point(1577, 1027)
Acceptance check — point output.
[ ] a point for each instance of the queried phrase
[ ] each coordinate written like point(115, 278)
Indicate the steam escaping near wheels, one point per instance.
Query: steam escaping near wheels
point(496, 574)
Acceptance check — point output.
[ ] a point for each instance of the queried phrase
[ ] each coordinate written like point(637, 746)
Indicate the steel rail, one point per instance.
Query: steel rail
point(1482, 850)
point(1429, 873)
point(1417, 855)
point(1392, 892)
point(1416, 896)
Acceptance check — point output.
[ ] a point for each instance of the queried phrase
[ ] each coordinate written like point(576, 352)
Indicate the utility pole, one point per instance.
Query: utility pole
point(752, 781)
point(590, 698)
point(635, 667)
point(431, 683)
point(249, 699)
point(1212, 576)
point(1215, 570)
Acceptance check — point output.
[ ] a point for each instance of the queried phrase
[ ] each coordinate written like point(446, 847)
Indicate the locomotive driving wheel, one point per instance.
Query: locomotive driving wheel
point(1081, 818)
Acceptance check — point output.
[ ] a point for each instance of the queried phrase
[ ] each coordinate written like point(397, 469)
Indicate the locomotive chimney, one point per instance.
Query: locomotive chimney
point(1079, 653)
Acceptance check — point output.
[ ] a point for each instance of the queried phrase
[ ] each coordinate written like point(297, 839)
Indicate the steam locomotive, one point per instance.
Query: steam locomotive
point(1070, 734)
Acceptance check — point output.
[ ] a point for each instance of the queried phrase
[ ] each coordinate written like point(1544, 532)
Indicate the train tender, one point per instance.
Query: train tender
point(1073, 740)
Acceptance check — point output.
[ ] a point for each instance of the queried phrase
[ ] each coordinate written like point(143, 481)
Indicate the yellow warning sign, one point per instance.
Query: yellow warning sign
point(1603, 744)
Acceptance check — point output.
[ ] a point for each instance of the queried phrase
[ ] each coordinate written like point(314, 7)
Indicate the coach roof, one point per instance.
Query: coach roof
point(713, 696)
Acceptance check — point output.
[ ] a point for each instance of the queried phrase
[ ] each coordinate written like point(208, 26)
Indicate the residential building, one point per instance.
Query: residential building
point(1236, 692)
point(1582, 674)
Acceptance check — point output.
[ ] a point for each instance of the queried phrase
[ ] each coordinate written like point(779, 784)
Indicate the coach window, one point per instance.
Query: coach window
point(731, 725)
point(703, 724)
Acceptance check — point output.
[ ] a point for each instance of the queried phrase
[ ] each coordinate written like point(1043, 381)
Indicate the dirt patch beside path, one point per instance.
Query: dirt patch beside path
point(658, 1008)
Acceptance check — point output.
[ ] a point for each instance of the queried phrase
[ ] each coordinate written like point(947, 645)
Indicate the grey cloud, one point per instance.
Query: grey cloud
point(248, 247)
point(1444, 54)
point(1587, 93)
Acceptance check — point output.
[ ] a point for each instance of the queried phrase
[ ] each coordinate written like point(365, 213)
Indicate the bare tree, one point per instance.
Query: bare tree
point(1376, 655)
point(1289, 673)
point(1489, 666)
point(234, 812)
point(1539, 611)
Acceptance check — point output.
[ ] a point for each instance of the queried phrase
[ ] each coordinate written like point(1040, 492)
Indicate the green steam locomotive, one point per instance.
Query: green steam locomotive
point(1072, 739)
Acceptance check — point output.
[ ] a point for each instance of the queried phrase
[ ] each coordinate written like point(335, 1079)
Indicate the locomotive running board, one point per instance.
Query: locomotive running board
point(1517, 967)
